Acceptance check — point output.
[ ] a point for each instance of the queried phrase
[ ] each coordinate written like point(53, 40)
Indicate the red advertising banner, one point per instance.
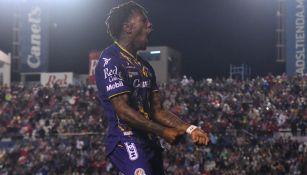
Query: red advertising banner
point(63, 79)
point(93, 60)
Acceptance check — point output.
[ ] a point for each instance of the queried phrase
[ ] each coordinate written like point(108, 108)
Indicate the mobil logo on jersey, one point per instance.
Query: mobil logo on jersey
point(115, 86)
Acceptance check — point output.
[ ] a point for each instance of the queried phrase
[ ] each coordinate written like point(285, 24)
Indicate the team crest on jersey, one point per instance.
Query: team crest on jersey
point(139, 171)
point(106, 61)
point(132, 151)
point(145, 71)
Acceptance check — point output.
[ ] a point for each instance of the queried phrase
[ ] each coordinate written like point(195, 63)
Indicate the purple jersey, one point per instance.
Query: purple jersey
point(118, 72)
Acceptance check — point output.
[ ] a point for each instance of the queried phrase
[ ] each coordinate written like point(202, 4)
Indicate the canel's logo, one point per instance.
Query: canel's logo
point(141, 84)
point(34, 18)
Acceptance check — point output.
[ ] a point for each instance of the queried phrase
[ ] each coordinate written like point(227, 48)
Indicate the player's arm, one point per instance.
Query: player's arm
point(137, 120)
point(166, 118)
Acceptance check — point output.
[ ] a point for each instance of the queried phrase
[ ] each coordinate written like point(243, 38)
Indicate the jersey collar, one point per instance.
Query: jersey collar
point(125, 50)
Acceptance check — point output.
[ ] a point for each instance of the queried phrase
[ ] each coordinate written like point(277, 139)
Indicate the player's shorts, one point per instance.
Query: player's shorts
point(134, 159)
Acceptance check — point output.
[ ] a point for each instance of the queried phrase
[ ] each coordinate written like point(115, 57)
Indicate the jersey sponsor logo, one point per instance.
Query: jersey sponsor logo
point(114, 78)
point(130, 67)
point(106, 61)
point(110, 72)
point(141, 84)
point(132, 151)
point(128, 133)
point(115, 86)
point(131, 74)
point(139, 171)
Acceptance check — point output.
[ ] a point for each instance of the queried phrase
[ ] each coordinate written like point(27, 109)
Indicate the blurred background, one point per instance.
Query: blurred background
point(209, 35)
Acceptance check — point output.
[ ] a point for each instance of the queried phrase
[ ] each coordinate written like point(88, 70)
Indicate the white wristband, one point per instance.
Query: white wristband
point(190, 129)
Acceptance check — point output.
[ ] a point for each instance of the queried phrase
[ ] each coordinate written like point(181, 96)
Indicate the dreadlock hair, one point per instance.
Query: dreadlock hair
point(119, 15)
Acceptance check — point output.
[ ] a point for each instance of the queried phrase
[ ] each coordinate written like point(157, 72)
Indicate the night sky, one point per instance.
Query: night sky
point(210, 34)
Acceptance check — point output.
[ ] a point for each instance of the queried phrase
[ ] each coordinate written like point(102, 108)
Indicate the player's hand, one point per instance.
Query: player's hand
point(172, 135)
point(199, 137)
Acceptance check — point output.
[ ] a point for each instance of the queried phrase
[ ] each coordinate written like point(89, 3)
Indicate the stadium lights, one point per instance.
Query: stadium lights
point(155, 52)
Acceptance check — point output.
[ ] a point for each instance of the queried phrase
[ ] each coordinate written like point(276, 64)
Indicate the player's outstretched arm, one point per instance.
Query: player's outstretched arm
point(169, 119)
point(136, 120)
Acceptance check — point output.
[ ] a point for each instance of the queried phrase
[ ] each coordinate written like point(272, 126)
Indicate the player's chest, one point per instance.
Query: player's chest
point(138, 76)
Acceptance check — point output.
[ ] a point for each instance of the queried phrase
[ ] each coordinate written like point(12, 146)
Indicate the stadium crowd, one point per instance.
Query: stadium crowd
point(59, 130)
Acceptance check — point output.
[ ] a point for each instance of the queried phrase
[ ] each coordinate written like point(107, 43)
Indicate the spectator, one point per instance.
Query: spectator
point(59, 130)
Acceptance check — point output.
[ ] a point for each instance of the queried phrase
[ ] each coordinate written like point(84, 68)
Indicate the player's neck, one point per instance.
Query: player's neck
point(128, 46)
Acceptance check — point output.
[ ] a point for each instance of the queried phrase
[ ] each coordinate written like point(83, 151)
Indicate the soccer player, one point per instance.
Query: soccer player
point(129, 94)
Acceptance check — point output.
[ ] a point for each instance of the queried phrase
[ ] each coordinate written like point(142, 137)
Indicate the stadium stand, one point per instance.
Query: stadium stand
point(256, 126)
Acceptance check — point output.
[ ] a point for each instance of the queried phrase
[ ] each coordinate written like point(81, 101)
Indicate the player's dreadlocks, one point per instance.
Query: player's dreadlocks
point(119, 15)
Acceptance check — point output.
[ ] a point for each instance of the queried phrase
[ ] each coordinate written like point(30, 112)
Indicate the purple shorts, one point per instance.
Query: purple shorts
point(135, 159)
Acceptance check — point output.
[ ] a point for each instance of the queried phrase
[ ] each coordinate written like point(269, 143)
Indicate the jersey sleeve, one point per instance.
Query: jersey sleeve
point(110, 77)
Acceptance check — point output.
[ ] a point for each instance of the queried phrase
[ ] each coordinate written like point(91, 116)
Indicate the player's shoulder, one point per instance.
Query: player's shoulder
point(110, 51)
point(109, 55)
